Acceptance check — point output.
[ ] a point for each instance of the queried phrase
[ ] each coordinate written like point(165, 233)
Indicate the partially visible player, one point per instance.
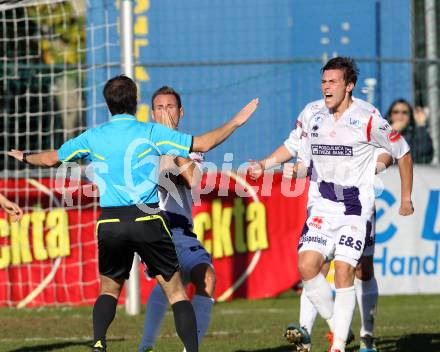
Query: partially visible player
point(365, 284)
point(176, 200)
point(339, 142)
point(14, 211)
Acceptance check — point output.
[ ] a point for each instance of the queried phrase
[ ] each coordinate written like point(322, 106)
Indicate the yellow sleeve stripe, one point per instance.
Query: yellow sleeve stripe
point(76, 152)
point(172, 144)
point(144, 153)
point(104, 221)
point(100, 157)
point(162, 143)
point(155, 217)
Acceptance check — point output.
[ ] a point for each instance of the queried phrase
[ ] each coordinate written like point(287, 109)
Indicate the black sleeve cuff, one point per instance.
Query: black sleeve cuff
point(191, 147)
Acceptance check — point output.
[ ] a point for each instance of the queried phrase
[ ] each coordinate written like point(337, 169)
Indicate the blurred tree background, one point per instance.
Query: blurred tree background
point(42, 48)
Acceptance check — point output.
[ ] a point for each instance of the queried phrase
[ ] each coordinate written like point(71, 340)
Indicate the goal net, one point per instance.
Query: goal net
point(48, 95)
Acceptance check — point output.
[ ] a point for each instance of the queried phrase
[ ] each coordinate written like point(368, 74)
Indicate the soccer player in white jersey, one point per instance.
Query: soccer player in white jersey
point(176, 200)
point(366, 285)
point(339, 142)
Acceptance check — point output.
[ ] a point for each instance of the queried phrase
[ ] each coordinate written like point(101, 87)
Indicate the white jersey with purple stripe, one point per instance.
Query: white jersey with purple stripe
point(343, 159)
point(292, 143)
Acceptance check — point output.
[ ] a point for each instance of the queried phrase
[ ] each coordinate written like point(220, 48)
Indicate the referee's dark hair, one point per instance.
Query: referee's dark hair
point(165, 90)
point(120, 94)
point(345, 64)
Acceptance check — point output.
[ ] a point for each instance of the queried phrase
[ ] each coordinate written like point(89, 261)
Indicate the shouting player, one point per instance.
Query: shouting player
point(365, 282)
point(340, 139)
point(339, 143)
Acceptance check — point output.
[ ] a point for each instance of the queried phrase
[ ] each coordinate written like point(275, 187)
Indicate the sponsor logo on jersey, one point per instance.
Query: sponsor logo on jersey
point(354, 122)
point(315, 107)
point(317, 222)
point(385, 127)
point(394, 136)
point(318, 118)
point(332, 150)
point(316, 239)
point(314, 133)
point(299, 124)
point(350, 242)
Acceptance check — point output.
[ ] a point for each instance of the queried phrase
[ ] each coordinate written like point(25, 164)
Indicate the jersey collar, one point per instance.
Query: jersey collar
point(120, 117)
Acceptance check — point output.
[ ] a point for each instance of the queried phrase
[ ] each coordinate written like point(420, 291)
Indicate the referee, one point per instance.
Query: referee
point(125, 153)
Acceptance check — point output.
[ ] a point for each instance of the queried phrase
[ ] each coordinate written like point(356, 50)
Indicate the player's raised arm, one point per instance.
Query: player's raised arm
point(285, 152)
point(209, 140)
point(379, 131)
point(279, 156)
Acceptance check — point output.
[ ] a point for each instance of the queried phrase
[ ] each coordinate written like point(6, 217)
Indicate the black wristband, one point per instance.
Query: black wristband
point(25, 155)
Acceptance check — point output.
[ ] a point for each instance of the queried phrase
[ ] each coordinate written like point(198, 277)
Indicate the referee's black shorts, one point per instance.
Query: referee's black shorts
point(122, 231)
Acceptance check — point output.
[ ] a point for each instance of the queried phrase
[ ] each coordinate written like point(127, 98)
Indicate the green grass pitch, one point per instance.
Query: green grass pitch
point(403, 323)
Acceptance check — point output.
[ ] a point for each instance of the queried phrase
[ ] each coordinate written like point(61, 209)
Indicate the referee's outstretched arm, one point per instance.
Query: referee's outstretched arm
point(202, 143)
point(45, 159)
point(209, 140)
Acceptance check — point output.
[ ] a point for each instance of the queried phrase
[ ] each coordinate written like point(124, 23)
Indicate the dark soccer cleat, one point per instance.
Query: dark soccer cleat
point(350, 337)
point(298, 337)
point(367, 344)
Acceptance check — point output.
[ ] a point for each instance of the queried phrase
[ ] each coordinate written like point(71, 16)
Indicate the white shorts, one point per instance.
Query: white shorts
point(190, 253)
point(341, 238)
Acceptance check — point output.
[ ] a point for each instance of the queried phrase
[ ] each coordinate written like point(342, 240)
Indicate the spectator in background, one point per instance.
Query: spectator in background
point(412, 126)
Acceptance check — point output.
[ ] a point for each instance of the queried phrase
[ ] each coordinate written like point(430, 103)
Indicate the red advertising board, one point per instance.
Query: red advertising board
point(50, 256)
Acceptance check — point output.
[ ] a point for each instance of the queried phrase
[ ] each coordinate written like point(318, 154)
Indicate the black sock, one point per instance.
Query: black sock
point(186, 326)
point(104, 312)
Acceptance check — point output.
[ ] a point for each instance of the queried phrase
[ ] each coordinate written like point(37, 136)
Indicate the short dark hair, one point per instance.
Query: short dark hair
point(345, 64)
point(120, 94)
point(165, 90)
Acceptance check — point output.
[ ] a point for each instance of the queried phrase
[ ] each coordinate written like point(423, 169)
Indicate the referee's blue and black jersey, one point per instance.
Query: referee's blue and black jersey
point(126, 154)
point(125, 159)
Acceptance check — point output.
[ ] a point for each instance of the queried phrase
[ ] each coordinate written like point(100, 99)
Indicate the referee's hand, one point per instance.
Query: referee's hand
point(243, 115)
point(17, 154)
